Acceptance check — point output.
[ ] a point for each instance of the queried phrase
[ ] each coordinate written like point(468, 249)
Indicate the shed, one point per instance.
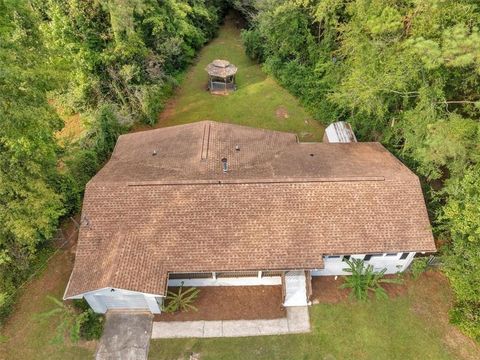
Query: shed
point(221, 76)
point(339, 132)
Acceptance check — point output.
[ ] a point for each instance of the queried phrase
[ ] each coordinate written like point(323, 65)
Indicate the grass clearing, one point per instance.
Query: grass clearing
point(258, 102)
point(413, 325)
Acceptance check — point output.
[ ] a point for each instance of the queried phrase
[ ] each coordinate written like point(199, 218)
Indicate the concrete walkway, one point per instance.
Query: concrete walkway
point(297, 321)
point(126, 336)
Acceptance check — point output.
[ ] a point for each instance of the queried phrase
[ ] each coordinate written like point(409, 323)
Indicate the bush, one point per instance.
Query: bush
point(153, 99)
point(418, 267)
point(253, 42)
point(82, 165)
point(77, 321)
point(91, 327)
point(68, 186)
point(466, 315)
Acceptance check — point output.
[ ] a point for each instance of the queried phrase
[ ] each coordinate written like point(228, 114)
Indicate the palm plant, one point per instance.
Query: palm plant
point(181, 301)
point(364, 279)
point(69, 321)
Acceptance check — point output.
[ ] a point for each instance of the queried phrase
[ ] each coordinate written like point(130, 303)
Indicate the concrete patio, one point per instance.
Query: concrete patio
point(297, 321)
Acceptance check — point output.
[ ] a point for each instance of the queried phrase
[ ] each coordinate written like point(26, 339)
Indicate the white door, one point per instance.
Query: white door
point(123, 301)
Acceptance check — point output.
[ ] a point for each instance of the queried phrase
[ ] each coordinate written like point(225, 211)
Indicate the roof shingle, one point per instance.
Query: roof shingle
point(278, 206)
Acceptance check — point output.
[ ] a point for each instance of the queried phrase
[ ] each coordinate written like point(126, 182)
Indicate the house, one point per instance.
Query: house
point(213, 204)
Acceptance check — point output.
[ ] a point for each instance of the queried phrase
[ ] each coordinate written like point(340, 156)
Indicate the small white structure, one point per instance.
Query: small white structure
point(339, 132)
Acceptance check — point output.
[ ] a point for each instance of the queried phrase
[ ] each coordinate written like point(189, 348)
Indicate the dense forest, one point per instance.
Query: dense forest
point(403, 72)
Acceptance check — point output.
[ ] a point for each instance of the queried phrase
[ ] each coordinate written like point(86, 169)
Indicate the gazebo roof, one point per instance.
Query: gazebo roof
point(221, 68)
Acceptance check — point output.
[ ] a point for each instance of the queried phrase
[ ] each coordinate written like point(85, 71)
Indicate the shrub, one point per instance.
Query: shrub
point(153, 98)
point(364, 279)
point(181, 301)
point(83, 324)
point(466, 315)
point(91, 325)
point(82, 165)
point(253, 42)
point(418, 267)
point(68, 186)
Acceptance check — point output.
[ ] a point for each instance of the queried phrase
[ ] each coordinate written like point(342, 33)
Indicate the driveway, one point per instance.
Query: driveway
point(126, 336)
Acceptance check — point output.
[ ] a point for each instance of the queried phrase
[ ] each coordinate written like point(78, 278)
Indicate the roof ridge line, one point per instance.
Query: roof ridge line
point(256, 181)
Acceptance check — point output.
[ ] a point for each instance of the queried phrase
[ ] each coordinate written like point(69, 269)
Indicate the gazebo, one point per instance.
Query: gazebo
point(221, 76)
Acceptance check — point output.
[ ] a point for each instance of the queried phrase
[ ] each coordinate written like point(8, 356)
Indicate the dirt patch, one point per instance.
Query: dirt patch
point(232, 303)
point(326, 290)
point(281, 113)
point(394, 290)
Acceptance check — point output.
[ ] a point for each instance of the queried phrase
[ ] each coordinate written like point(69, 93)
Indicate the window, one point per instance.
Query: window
point(391, 254)
point(369, 256)
point(346, 257)
point(404, 256)
point(333, 257)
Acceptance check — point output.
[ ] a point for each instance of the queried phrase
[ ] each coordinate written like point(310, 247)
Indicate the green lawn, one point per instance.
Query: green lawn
point(413, 325)
point(255, 103)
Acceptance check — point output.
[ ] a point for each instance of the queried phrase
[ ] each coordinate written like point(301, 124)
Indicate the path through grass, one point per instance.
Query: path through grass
point(258, 102)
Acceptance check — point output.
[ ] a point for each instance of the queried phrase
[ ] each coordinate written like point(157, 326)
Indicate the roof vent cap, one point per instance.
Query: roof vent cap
point(225, 165)
point(237, 147)
point(154, 152)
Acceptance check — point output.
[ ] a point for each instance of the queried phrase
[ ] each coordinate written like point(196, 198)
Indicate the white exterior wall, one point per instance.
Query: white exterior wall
point(237, 281)
point(105, 299)
point(393, 264)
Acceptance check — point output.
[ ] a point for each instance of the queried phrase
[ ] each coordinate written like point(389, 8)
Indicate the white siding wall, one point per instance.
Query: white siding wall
point(237, 281)
point(393, 264)
point(106, 299)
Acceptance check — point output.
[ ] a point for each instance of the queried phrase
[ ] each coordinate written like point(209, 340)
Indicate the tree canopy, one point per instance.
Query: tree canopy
point(29, 205)
point(403, 72)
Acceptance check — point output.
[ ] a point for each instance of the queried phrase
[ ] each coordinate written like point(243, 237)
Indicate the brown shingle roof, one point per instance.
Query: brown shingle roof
point(277, 207)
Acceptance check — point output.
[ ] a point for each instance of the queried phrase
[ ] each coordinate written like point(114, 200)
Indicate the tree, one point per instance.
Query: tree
point(126, 52)
point(460, 219)
point(404, 73)
point(29, 203)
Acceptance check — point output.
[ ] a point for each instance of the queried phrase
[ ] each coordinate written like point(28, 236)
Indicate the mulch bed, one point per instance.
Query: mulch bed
point(326, 290)
point(232, 303)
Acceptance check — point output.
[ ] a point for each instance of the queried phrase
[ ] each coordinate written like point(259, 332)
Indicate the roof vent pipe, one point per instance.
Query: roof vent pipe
point(225, 165)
